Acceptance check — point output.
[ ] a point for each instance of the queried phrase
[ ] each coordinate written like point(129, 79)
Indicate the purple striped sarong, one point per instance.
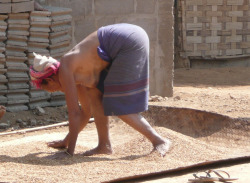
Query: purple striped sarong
point(126, 83)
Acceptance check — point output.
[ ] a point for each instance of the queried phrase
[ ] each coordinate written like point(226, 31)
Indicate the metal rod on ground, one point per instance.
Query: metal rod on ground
point(38, 128)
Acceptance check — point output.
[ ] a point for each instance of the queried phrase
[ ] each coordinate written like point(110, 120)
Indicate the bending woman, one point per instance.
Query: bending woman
point(107, 73)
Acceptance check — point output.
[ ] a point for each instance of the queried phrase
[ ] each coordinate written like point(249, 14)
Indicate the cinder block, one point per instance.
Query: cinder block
point(235, 2)
point(235, 13)
point(194, 39)
point(194, 2)
point(234, 52)
point(146, 6)
point(233, 39)
point(80, 8)
point(193, 14)
point(216, 26)
point(114, 7)
point(215, 2)
point(164, 6)
point(214, 13)
point(245, 45)
point(5, 1)
point(234, 25)
point(149, 25)
point(194, 26)
point(213, 39)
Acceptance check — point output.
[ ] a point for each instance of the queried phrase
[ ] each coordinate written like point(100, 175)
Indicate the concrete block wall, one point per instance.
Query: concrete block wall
point(155, 16)
point(214, 29)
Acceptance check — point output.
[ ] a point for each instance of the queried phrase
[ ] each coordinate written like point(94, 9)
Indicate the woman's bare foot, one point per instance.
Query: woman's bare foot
point(60, 144)
point(2, 111)
point(38, 7)
point(99, 150)
point(163, 148)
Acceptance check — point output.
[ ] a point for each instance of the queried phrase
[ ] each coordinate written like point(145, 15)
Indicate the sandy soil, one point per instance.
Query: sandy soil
point(26, 158)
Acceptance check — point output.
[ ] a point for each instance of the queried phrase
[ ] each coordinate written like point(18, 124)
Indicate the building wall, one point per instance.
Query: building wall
point(214, 29)
point(155, 16)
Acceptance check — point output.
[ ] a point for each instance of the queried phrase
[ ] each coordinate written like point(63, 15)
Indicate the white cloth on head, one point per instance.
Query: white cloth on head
point(41, 63)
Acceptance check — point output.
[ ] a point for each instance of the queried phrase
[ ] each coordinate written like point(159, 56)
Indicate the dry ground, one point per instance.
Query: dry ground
point(26, 158)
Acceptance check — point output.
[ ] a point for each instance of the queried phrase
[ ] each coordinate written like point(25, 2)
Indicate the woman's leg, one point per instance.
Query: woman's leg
point(102, 124)
point(141, 125)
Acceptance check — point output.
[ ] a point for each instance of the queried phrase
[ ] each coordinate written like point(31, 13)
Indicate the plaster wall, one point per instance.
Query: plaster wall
point(155, 16)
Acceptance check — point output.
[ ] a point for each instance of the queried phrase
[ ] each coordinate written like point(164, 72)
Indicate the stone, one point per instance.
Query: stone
point(33, 122)
point(4, 125)
point(19, 120)
point(23, 124)
point(39, 111)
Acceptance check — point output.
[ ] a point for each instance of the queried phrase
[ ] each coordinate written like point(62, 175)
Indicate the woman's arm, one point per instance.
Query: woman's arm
point(84, 99)
point(67, 81)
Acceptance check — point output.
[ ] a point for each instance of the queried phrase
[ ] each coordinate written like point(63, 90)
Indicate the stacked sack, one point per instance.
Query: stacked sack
point(16, 59)
point(60, 39)
point(3, 80)
point(38, 42)
point(22, 32)
point(60, 31)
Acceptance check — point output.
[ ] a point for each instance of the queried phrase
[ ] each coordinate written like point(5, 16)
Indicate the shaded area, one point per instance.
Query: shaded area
point(238, 76)
point(194, 123)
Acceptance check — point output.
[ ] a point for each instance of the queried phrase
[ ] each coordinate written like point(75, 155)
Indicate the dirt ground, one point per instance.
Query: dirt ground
point(222, 91)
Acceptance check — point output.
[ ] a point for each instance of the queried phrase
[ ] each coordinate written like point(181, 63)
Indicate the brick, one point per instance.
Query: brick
point(235, 2)
point(243, 32)
point(193, 14)
point(245, 45)
point(216, 26)
point(149, 25)
point(243, 19)
point(235, 13)
point(233, 39)
point(203, 47)
point(194, 26)
point(233, 52)
point(194, 2)
point(194, 39)
point(248, 38)
point(234, 25)
point(84, 9)
point(165, 6)
point(18, 1)
point(5, 1)
point(224, 33)
point(214, 13)
point(223, 46)
point(215, 2)
point(213, 52)
point(213, 39)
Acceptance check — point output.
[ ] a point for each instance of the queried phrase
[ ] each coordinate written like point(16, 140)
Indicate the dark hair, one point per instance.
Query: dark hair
point(44, 82)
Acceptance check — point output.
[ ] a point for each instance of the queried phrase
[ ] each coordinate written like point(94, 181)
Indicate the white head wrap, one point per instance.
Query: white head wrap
point(41, 63)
